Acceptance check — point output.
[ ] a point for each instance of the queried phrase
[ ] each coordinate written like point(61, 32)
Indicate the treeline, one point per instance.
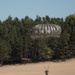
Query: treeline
point(17, 46)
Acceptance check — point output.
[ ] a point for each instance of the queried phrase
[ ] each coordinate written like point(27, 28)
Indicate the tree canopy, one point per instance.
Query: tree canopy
point(16, 43)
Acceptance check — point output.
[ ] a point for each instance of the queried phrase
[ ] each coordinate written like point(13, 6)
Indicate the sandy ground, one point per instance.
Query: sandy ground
point(55, 68)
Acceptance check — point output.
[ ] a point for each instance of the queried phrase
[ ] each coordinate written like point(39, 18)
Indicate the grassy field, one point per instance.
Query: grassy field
point(55, 68)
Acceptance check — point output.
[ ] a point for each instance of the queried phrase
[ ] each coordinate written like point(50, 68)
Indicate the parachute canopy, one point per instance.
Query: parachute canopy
point(45, 30)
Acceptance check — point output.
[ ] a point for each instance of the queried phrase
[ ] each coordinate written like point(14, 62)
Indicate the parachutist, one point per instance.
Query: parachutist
point(46, 72)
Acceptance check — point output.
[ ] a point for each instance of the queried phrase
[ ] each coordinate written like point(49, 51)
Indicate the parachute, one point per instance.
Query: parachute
point(45, 30)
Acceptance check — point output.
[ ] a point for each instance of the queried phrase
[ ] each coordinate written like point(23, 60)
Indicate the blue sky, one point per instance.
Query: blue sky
point(31, 8)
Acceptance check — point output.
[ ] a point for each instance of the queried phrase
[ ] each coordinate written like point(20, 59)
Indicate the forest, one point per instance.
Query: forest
point(17, 46)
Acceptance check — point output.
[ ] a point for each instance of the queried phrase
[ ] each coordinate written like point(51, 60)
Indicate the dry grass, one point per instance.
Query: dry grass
point(55, 68)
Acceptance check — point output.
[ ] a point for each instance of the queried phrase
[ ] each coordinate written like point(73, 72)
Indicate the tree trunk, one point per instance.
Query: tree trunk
point(1, 64)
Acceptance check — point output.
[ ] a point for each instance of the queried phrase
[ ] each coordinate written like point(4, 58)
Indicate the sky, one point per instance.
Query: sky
point(32, 8)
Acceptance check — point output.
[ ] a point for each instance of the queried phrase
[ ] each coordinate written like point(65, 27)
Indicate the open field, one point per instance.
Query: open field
point(55, 68)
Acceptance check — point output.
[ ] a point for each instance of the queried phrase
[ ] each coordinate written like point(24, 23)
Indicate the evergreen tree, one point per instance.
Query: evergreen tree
point(4, 52)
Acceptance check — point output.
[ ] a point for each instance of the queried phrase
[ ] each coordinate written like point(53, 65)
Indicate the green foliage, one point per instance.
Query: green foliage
point(47, 53)
point(4, 52)
point(16, 43)
point(70, 21)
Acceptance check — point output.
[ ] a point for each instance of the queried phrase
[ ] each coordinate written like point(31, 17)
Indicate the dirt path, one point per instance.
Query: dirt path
point(55, 68)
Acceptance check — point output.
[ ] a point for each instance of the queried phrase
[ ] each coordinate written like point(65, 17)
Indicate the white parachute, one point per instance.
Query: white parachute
point(45, 30)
